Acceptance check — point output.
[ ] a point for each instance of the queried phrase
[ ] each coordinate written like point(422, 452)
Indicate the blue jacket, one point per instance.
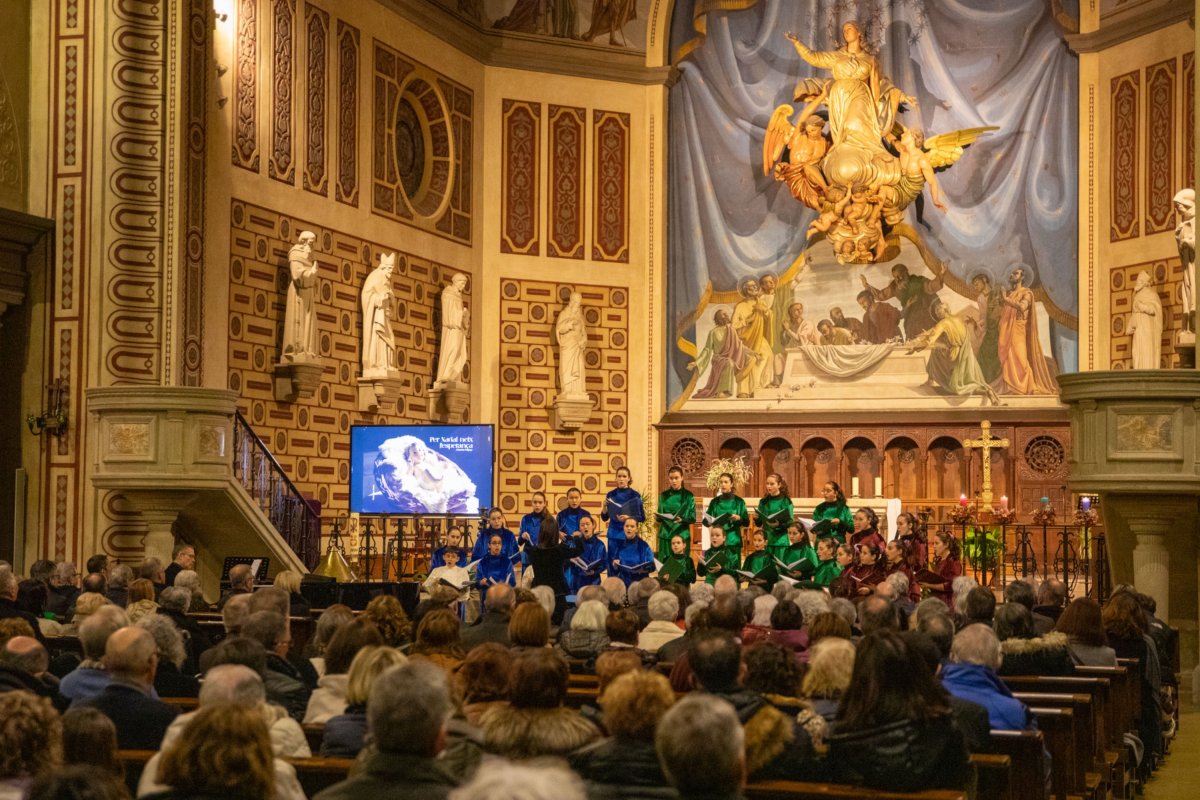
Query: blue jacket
point(630, 554)
point(982, 685)
point(508, 543)
point(568, 519)
point(439, 558)
point(590, 550)
point(616, 528)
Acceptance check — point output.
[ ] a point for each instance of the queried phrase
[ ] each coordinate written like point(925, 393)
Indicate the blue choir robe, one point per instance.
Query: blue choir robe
point(630, 554)
point(439, 558)
point(616, 528)
point(590, 550)
point(508, 543)
point(530, 524)
point(568, 519)
point(497, 569)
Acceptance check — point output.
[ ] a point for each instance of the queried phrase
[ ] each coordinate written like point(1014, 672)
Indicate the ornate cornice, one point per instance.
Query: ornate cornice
point(1122, 26)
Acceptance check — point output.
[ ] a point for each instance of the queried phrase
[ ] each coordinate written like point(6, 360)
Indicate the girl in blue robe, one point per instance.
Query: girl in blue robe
point(630, 555)
point(454, 537)
point(622, 497)
point(591, 550)
point(569, 517)
point(508, 540)
point(494, 568)
point(531, 524)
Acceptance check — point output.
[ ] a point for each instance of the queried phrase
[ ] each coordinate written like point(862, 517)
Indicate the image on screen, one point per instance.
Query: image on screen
point(420, 469)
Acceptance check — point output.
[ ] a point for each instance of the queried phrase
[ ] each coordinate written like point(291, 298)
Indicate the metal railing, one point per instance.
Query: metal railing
point(294, 516)
point(995, 554)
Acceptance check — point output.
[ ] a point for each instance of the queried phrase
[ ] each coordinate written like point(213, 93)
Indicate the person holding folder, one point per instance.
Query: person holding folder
point(585, 568)
point(774, 514)
point(946, 567)
point(633, 559)
point(759, 567)
point(622, 504)
point(728, 511)
point(678, 566)
point(798, 560)
point(719, 559)
point(676, 513)
point(832, 517)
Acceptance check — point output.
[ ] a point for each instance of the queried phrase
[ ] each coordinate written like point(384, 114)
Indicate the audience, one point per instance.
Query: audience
point(31, 733)
point(830, 664)
point(977, 606)
point(1022, 592)
point(492, 625)
point(972, 675)
point(241, 581)
point(288, 580)
point(438, 640)
point(586, 637)
point(90, 738)
point(63, 589)
point(407, 715)
point(1083, 625)
point(663, 608)
point(483, 681)
point(1051, 595)
point(1125, 626)
point(774, 672)
point(787, 627)
point(329, 623)
point(344, 733)
point(529, 627)
point(8, 601)
point(141, 600)
point(621, 628)
point(971, 718)
point(388, 616)
point(183, 557)
point(1025, 653)
point(223, 752)
point(190, 580)
point(877, 613)
point(504, 780)
point(88, 679)
point(25, 666)
point(141, 720)
point(173, 604)
point(329, 698)
point(80, 782)
point(119, 578)
point(701, 746)
point(536, 722)
point(169, 680)
point(285, 685)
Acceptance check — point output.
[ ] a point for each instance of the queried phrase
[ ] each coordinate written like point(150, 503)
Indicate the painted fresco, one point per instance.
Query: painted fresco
point(834, 259)
point(607, 23)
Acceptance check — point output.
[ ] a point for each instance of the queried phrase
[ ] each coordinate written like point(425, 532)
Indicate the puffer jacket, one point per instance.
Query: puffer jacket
point(902, 756)
point(1043, 655)
point(519, 733)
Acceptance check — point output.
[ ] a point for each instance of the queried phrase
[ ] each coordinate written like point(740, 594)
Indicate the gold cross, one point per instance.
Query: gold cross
point(986, 443)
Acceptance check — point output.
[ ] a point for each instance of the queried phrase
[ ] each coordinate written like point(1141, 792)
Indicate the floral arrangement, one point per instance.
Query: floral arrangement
point(1088, 519)
point(1003, 516)
point(1044, 515)
point(963, 515)
point(736, 466)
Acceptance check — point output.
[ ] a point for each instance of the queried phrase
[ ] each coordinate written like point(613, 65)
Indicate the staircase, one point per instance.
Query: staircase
point(192, 466)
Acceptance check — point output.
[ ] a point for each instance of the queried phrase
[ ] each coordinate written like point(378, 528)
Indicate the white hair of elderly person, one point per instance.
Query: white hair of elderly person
point(812, 602)
point(545, 598)
point(501, 779)
point(663, 607)
point(701, 592)
point(763, 606)
point(234, 684)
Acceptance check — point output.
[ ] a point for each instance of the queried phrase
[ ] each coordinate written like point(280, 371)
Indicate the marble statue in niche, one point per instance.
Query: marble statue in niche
point(571, 334)
point(378, 301)
point(1146, 324)
point(1185, 240)
point(452, 357)
point(300, 312)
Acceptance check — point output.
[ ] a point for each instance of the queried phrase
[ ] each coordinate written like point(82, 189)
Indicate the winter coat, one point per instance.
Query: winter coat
point(982, 685)
point(519, 733)
point(581, 643)
point(776, 748)
point(621, 768)
point(902, 756)
point(287, 737)
point(328, 699)
point(1043, 655)
point(392, 776)
point(344, 733)
point(658, 633)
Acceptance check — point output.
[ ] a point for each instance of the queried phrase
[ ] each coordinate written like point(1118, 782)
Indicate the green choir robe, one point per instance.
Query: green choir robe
point(726, 557)
point(761, 562)
point(730, 503)
point(804, 553)
point(827, 572)
point(841, 517)
point(674, 503)
point(775, 532)
point(677, 569)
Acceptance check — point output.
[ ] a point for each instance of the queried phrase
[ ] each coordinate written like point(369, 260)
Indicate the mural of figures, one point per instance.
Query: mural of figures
point(853, 162)
point(611, 23)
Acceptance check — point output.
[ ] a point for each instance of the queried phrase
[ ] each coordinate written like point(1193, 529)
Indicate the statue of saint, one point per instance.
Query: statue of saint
point(300, 313)
point(379, 341)
point(1022, 364)
point(571, 334)
point(1146, 324)
point(1185, 240)
point(453, 356)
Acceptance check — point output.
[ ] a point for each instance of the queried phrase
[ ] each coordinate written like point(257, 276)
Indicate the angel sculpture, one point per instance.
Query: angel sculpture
point(867, 171)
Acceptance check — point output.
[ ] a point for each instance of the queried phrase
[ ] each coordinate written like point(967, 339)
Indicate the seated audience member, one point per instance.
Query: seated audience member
point(621, 628)
point(241, 581)
point(971, 718)
point(775, 747)
point(90, 677)
point(94, 582)
point(332, 620)
point(1022, 592)
point(388, 616)
point(614, 590)
point(1126, 628)
point(141, 600)
point(930, 605)
point(63, 589)
point(586, 638)
point(960, 587)
point(24, 666)
point(31, 737)
point(663, 607)
point(830, 664)
point(544, 596)
point(329, 698)
point(694, 617)
point(586, 593)
point(846, 610)
point(639, 598)
point(183, 557)
point(773, 671)
point(504, 780)
point(224, 751)
point(725, 614)
point(896, 588)
point(132, 660)
point(1024, 652)
point(408, 714)
point(1051, 598)
point(702, 748)
point(173, 605)
point(100, 563)
point(344, 733)
point(438, 639)
point(492, 625)
point(529, 627)
point(536, 722)
point(85, 605)
point(787, 627)
point(288, 580)
point(285, 685)
point(119, 578)
point(625, 765)
point(238, 686)
point(758, 610)
point(79, 782)
point(876, 613)
point(169, 680)
point(827, 624)
point(90, 738)
point(971, 674)
point(1084, 629)
point(978, 606)
point(190, 580)
point(31, 599)
point(894, 729)
point(152, 570)
point(483, 680)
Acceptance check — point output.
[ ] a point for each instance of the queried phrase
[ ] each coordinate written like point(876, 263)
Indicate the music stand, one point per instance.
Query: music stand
point(230, 562)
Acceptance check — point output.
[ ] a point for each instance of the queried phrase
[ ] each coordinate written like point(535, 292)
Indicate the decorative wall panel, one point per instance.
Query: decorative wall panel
point(347, 105)
point(610, 178)
point(1124, 165)
point(1167, 275)
point(283, 56)
point(519, 212)
point(310, 437)
point(245, 87)
point(564, 239)
point(196, 105)
point(421, 145)
point(531, 456)
point(1160, 146)
point(316, 174)
point(1188, 178)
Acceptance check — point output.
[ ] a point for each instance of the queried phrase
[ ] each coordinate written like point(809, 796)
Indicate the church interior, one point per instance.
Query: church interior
point(314, 289)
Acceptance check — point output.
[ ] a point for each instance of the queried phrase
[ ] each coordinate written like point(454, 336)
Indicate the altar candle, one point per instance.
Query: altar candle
point(854, 487)
point(962, 501)
point(1004, 502)
point(1087, 504)
point(879, 487)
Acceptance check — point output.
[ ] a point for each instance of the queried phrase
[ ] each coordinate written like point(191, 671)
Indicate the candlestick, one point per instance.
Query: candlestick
point(879, 487)
point(1004, 502)
point(962, 501)
point(854, 487)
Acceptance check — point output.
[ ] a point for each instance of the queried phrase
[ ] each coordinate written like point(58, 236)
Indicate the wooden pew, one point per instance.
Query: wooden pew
point(316, 774)
point(134, 762)
point(1091, 774)
point(796, 790)
point(993, 777)
point(314, 732)
point(1027, 779)
point(184, 704)
point(1066, 767)
point(56, 645)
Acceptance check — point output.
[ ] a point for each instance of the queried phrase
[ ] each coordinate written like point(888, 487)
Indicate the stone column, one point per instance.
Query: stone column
point(160, 509)
point(1152, 566)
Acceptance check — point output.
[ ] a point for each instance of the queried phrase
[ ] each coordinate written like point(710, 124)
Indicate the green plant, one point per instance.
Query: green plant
point(982, 547)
